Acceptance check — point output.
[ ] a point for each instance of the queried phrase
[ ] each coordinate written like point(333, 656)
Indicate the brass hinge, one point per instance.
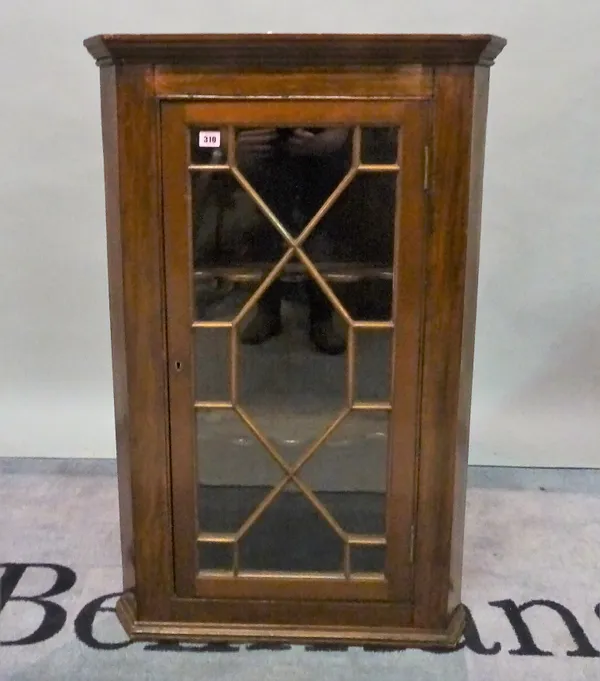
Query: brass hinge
point(412, 544)
point(426, 170)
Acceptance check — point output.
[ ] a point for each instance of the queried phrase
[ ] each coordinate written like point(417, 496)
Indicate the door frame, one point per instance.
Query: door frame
point(409, 295)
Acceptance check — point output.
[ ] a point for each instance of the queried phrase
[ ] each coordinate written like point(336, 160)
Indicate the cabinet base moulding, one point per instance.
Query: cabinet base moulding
point(198, 633)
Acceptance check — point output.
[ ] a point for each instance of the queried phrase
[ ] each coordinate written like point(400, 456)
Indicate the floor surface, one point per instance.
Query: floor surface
point(532, 539)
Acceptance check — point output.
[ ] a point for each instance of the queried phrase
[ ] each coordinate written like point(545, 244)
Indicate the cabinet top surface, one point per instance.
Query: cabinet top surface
point(261, 51)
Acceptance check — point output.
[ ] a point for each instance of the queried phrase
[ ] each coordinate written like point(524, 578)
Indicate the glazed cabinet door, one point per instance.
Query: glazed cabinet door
point(294, 237)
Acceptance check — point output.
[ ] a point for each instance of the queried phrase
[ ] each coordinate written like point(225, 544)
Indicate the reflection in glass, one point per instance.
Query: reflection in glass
point(359, 228)
point(348, 472)
point(291, 536)
point(235, 471)
point(291, 393)
point(287, 377)
point(373, 365)
point(354, 245)
point(230, 236)
point(294, 170)
point(235, 292)
point(212, 366)
point(367, 558)
point(225, 221)
point(215, 556)
point(379, 146)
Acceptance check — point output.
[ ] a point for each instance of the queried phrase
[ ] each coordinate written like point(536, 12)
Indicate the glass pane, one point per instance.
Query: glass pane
point(367, 558)
point(294, 170)
point(291, 370)
point(225, 219)
point(208, 145)
point(212, 365)
point(215, 556)
point(348, 472)
point(353, 245)
point(235, 471)
point(288, 374)
point(373, 365)
point(379, 146)
point(234, 245)
point(223, 298)
point(291, 535)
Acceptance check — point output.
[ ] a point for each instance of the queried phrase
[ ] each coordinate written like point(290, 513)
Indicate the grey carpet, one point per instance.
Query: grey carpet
point(531, 536)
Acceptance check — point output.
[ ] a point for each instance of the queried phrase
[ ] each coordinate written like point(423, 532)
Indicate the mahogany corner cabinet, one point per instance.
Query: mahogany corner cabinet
point(293, 237)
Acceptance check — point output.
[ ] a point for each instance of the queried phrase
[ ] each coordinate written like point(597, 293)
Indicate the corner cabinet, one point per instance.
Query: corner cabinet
point(293, 234)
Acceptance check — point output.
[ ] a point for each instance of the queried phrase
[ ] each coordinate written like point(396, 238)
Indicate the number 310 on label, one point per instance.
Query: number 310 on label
point(209, 138)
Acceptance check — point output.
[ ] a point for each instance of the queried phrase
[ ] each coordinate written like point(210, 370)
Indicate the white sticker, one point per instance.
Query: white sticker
point(209, 138)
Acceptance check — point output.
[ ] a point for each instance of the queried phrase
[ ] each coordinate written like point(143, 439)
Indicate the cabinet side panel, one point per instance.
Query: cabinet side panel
point(446, 274)
point(145, 345)
point(480, 109)
point(110, 143)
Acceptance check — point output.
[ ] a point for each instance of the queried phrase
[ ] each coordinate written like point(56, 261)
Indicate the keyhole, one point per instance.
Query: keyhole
point(178, 366)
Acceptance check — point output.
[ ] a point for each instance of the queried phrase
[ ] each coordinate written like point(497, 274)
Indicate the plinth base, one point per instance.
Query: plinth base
point(198, 632)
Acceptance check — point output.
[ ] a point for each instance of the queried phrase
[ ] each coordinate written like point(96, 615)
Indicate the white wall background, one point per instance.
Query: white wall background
point(536, 397)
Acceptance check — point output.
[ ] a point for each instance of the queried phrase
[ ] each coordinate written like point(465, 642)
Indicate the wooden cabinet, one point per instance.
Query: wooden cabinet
point(293, 236)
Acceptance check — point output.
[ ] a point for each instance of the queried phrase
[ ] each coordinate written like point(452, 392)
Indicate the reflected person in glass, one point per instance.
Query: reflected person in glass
point(294, 171)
